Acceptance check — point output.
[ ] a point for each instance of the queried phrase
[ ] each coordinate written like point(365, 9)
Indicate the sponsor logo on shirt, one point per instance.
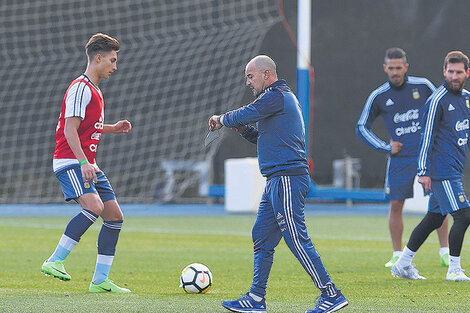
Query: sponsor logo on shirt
point(100, 123)
point(95, 136)
point(462, 125)
point(462, 141)
point(400, 131)
point(407, 116)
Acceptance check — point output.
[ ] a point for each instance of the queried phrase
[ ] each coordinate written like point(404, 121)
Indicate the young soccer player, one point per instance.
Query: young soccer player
point(79, 129)
point(280, 137)
point(441, 163)
point(401, 103)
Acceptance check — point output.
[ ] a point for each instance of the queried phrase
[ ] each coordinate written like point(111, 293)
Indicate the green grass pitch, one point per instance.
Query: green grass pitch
point(153, 250)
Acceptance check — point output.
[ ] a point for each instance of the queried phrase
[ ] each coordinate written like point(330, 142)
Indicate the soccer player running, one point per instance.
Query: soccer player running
point(80, 125)
point(280, 139)
point(401, 103)
point(441, 163)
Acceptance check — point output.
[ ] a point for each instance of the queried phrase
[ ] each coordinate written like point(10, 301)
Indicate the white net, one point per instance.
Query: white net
point(180, 62)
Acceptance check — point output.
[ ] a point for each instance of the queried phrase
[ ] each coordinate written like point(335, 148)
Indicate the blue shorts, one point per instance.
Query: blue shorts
point(400, 177)
point(447, 196)
point(71, 181)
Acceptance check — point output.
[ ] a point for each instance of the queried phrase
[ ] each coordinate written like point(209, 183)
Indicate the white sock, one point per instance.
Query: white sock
point(406, 257)
point(454, 263)
point(255, 297)
point(443, 250)
point(395, 253)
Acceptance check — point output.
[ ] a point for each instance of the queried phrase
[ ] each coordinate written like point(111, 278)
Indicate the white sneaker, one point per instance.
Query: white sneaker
point(457, 275)
point(407, 272)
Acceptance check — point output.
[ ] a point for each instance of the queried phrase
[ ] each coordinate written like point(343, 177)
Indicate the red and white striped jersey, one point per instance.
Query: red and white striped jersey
point(85, 100)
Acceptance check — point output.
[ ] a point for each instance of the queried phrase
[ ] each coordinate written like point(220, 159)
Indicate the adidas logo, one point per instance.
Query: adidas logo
point(389, 102)
point(451, 107)
point(279, 215)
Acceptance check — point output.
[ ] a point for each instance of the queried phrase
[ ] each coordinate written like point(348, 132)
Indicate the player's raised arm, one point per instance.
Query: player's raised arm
point(123, 126)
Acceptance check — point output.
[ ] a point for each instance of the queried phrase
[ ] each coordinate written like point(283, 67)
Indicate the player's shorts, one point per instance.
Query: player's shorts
point(400, 177)
point(447, 196)
point(71, 181)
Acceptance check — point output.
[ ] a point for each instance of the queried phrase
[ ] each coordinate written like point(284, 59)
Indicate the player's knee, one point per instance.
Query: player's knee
point(396, 207)
point(93, 205)
point(118, 216)
point(462, 216)
point(434, 220)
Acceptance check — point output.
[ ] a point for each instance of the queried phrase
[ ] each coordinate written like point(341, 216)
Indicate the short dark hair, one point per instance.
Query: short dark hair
point(456, 57)
point(395, 53)
point(99, 43)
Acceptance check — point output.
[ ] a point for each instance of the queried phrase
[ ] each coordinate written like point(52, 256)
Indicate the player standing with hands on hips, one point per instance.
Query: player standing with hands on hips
point(401, 103)
point(81, 123)
point(280, 139)
point(441, 162)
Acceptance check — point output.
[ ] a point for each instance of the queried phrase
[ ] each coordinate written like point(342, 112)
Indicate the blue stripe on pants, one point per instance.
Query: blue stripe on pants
point(281, 214)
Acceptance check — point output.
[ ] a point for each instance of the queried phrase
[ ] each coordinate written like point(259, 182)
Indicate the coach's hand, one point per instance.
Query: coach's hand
point(396, 146)
point(240, 129)
point(426, 182)
point(215, 123)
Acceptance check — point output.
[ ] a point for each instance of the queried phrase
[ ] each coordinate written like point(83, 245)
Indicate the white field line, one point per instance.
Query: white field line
point(198, 232)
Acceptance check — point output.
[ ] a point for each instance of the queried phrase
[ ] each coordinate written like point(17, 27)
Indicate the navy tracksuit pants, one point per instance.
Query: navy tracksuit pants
point(281, 214)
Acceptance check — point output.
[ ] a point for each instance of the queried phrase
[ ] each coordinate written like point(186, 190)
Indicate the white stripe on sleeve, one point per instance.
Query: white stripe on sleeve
point(78, 97)
point(427, 134)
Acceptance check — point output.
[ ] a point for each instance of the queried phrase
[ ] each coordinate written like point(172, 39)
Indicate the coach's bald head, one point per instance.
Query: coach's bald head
point(263, 62)
point(260, 72)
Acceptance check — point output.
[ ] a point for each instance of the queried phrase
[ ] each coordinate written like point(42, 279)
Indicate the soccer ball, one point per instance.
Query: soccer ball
point(196, 278)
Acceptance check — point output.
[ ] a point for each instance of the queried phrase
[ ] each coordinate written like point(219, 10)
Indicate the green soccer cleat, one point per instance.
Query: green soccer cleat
point(55, 269)
point(445, 260)
point(392, 261)
point(107, 286)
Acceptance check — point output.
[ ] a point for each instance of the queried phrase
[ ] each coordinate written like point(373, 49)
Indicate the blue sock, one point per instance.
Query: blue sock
point(66, 244)
point(107, 241)
point(73, 232)
point(103, 266)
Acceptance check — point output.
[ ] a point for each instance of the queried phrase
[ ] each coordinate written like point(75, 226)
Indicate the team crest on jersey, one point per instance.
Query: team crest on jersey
point(416, 95)
point(87, 185)
point(467, 102)
point(462, 197)
point(387, 190)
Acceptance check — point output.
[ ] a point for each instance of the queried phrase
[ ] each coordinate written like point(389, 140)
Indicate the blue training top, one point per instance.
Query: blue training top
point(279, 132)
point(402, 109)
point(442, 152)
